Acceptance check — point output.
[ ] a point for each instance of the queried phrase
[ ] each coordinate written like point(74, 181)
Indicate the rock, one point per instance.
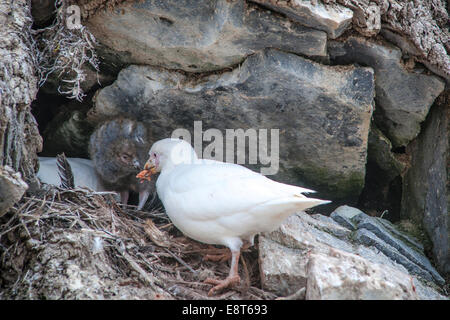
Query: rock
point(324, 112)
point(383, 185)
point(83, 173)
point(300, 231)
point(380, 233)
point(331, 18)
point(340, 275)
point(370, 239)
point(12, 188)
point(65, 267)
point(198, 36)
point(285, 254)
point(403, 43)
point(19, 135)
point(426, 184)
point(379, 152)
point(283, 270)
point(402, 98)
point(69, 132)
point(343, 216)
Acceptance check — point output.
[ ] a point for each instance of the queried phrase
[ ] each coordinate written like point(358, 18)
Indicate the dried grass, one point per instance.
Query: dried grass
point(136, 242)
point(65, 53)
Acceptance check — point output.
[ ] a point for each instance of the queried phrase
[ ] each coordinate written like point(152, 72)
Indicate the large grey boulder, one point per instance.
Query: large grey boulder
point(322, 113)
point(355, 278)
point(198, 36)
point(395, 244)
point(403, 97)
point(336, 262)
point(426, 188)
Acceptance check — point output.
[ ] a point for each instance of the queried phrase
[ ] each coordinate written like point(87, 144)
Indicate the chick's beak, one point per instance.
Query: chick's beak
point(136, 164)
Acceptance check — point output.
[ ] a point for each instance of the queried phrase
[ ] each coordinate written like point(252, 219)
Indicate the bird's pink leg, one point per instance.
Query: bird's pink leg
point(124, 197)
point(233, 276)
point(223, 254)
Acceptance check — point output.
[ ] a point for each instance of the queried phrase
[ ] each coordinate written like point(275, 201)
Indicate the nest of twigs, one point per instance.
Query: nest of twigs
point(143, 247)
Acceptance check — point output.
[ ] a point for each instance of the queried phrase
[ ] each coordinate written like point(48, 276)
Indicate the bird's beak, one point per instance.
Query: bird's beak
point(150, 165)
point(136, 164)
point(149, 169)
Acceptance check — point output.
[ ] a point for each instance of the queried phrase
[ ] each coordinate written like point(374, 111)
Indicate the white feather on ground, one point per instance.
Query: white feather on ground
point(82, 169)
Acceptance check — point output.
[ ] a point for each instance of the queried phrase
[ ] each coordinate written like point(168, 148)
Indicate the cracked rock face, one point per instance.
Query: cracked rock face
point(426, 192)
point(354, 278)
point(198, 36)
point(322, 113)
point(403, 98)
point(329, 256)
point(12, 188)
point(333, 18)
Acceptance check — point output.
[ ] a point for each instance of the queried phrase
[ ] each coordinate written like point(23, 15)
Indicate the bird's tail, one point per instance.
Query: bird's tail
point(296, 203)
point(284, 207)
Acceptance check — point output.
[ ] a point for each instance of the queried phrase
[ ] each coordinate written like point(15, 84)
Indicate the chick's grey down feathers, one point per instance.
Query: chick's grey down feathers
point(118, 149)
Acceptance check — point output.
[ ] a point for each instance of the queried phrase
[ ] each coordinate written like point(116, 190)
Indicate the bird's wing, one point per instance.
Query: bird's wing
point(213, 190)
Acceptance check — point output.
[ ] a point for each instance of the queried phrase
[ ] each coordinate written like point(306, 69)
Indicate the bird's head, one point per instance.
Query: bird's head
point(127, 156)
point(168, 153)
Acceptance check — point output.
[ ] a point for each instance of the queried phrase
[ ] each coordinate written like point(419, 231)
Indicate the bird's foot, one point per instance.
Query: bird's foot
point(222, 284)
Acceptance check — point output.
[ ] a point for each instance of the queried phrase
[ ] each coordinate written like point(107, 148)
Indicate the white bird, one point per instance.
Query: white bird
point(220, 203)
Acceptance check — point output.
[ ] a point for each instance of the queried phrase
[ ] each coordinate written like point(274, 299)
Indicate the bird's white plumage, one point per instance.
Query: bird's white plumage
point(222, 203)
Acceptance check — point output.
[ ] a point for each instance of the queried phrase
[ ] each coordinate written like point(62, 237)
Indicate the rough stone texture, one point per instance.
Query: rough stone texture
point(384, 174)
point(426, 190)
point(19, 137)
point(403, 98)
point(339, 275)
point(300, 236)
point(343, 216)
point(422, 22)
point(12, 188)
point(68, 268)
point(323, 113)
point(379, 152)
point(282, 269)
point(383, 235)
point(368, 238)
point(333, 19)
point(198, 36)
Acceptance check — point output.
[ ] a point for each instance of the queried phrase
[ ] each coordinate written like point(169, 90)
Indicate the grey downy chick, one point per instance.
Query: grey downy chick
point(119, 149)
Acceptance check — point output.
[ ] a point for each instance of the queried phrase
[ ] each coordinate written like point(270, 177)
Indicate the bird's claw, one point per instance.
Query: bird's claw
point(222, 284)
